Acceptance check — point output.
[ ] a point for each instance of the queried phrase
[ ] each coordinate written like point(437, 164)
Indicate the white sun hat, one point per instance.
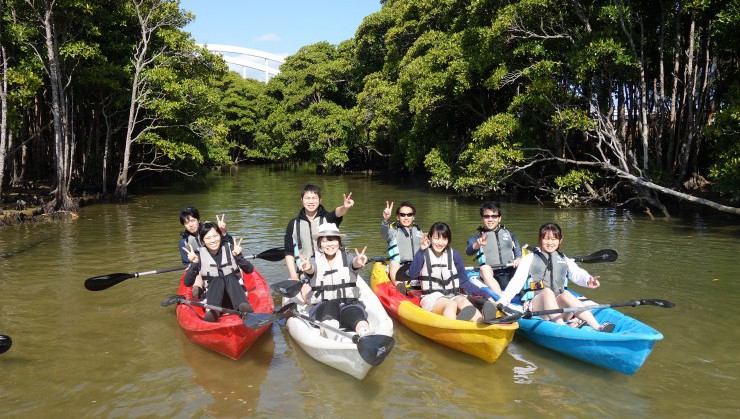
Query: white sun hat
point(328, 230)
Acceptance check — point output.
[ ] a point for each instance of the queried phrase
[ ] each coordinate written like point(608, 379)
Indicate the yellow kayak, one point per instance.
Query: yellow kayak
point(486, 341)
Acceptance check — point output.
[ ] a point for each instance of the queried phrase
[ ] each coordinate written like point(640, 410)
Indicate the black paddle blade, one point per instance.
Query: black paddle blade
point(658, 303)
point(378, 259)
point(606, 255)
point(287, 288)
point(375, 348)
point(258, 320)
point(273, 255)
point(103, 282)
point(175, 299)
point(5, 343)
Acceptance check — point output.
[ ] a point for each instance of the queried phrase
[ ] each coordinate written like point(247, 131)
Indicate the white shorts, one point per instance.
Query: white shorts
point(428, 301)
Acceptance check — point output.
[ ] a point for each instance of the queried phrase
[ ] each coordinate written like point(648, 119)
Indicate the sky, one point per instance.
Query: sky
point(281, 27)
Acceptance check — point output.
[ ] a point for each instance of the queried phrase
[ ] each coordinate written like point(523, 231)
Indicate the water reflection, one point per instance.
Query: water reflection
point(118, 353)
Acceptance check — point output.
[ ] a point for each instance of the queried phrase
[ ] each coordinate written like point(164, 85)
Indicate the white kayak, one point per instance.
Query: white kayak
point(337, 350)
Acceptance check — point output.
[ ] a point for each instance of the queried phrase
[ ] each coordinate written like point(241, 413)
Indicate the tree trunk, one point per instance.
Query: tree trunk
point(673, 122)
point(3, 110)
point(688, 139)
point(62, 201)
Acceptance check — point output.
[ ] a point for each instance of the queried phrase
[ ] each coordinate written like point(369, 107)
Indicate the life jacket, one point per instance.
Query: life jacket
point(405, 242)
point(549, 271)
point(334, 282)
point(210, 269)
point(303, 243)
point(499, 248)
point(438, 276)
point(193, 241)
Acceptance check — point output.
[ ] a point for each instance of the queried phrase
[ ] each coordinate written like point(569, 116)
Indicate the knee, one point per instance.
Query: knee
point(350, 316)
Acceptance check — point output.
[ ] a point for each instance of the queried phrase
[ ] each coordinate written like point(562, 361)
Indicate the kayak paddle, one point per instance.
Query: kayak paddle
point(288, 288)
point(5, 343)
point(373, 348)
point(251, 320)
point(515, 315)
point(605, 255)
point(102, 282)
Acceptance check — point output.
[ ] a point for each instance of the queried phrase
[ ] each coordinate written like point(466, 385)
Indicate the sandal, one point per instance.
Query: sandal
point(607, 327)
point(489, 312)
point(467, 313)
point(575, 323)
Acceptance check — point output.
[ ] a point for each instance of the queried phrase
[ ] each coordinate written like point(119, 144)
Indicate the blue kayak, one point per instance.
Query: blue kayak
point(624, 350)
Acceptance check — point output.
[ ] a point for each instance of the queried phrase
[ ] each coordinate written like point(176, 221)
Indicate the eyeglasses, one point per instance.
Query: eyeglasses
point(489, 216)
point(403, 214)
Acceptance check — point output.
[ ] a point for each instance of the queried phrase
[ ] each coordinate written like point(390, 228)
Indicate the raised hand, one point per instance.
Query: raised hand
point(192, 254)
point(221, 223)
point(425, 242)
point(388, 210)
point(360, 258)
point(348, 201)
point(482, 240)
point(305, 265)
point(237, 250)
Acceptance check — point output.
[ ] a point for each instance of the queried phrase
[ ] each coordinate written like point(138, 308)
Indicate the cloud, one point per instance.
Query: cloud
point(268, 37)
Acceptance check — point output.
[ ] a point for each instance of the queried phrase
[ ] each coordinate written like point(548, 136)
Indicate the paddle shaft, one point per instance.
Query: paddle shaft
point(157, 271)
point(99, 283)
point(354, 338)
point(633, 303)
point(211, 307)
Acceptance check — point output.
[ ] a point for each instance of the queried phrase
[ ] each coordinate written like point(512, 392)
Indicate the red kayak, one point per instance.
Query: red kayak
point(228, 335)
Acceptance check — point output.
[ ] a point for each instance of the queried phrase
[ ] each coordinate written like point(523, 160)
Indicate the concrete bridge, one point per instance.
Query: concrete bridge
point(249, 63)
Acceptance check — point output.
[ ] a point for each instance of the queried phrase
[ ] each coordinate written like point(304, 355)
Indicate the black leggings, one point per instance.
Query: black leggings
point(347, 314)
point(230, 286)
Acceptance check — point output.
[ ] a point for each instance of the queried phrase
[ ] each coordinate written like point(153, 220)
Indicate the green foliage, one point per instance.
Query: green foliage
point(723, 136)
point(571, 186)
point(485, 164)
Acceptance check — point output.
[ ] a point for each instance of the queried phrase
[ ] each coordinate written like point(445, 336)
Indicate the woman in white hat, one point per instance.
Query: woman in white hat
point(332, 286)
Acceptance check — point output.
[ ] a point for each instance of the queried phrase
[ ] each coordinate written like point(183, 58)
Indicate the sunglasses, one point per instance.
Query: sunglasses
point(404, 214)
point(489, 216)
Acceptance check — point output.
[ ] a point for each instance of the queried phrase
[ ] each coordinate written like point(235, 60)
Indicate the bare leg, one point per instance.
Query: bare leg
point(486, 274)
point(445, 307)
point(546, 300)
point(567, 299)
point(392, 270)
point(463, 302)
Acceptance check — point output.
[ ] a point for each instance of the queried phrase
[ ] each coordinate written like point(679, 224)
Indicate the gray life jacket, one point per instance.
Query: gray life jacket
point(337, 282)
point(439, 276)
point(405, 242)
point(549, 271)
point(499, 248)
point(210, 269)
point(303, 243)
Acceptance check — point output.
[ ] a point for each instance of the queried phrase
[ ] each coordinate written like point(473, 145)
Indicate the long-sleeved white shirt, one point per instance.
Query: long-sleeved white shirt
point(575, 274)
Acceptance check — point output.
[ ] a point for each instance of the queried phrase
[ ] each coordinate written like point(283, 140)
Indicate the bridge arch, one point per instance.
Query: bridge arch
point(249, 63)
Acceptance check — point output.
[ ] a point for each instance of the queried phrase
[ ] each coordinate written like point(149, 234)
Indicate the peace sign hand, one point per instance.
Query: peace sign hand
point(348, 201)
point(360, 257)
point(425, 242)
point(221, 223)
point(305, 265)
point(482, 240)
point(192, 254)
point(387, 211)
point(237, 249)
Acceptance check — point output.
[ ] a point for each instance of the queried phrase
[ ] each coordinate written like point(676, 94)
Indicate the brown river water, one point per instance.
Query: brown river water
point(117, 353)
